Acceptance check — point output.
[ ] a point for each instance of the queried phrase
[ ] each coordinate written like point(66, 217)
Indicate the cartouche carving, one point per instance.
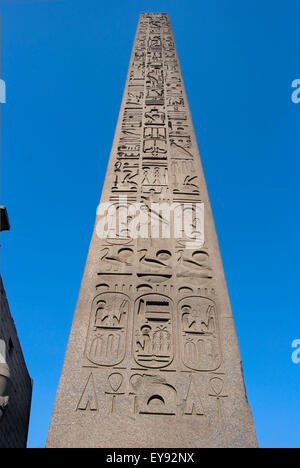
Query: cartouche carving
point(153, 340)
point(199, 335)
point(106, 342)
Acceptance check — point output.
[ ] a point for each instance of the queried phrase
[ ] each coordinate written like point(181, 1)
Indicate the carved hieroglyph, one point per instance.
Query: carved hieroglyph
point(153, 359)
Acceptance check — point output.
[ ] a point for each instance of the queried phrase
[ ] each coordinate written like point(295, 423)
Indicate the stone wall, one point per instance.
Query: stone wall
point(15, 420)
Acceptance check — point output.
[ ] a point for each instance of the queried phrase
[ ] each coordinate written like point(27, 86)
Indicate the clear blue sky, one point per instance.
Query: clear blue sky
point(65, 64)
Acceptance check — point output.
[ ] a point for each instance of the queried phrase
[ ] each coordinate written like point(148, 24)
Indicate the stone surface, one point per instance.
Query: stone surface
point(15, 382)
point(153, 358)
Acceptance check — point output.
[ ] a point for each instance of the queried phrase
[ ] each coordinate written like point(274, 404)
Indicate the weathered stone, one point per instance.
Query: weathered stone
point(4, 379)
point(153, 358)
point(15, 382)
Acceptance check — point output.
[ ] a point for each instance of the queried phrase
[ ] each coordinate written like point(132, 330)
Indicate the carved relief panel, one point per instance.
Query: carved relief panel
point(153, 338)
point(106, 341)
point(199, 335)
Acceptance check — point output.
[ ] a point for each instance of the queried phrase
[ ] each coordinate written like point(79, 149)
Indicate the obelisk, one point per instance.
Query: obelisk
point(153, 358)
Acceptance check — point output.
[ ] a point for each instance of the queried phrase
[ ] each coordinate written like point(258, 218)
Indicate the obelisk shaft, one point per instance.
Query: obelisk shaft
point(153, 358)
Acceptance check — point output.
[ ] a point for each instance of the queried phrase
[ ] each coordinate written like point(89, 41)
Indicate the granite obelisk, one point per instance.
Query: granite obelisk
point(153, 358)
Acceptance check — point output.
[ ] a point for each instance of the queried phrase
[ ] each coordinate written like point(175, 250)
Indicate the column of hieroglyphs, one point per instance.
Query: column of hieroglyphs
point(153, 358)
